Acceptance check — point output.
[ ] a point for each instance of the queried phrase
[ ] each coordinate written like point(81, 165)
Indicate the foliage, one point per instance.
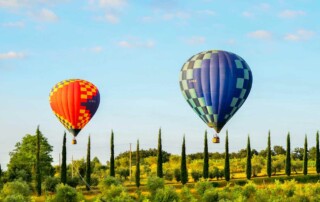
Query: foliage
point(159, 156)
point(137, 175)
point(202, 186)
point(210, 195)
point(168, 175)
point(16, 191)
point(107, 182)
point(166, 194)
point(288, 157)
point(269, 162)
point(205, 158)
point(112, 170)
point(317, 154)
point(23, 158)
point(50, 184)
point(114, 193)
point(257, 164)
point(196, 175)
point(65, 193)
point(88, 165)
point(278, 150)
point(226, 160)
point(248, 167)
point(154, 183)
point(305, 157)
point(184, 171)
point(73, 182)
point(186, 196)
point(38, 165)
point(64, 160)
point(177, 174)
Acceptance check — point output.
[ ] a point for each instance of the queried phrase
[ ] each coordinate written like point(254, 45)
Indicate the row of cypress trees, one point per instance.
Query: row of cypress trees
point(269, 160)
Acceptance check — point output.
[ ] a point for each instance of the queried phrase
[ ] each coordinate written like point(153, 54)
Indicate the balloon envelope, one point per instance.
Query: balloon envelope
point(215, 83)
point(74, 102)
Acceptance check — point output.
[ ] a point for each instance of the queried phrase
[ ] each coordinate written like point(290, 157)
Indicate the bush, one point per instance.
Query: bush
point(65, 193)
point(249, 190)
point(16, 190)
point(15, 198)
point(167, 194)
point(73, 182)
point(168, 175)
point(107, 182)
point(154, 183)
point(210, 195)
point(186, 196)
point(196, 175)
point(201, 187)
point(50, 184)
point(115, 193)
point(177, 174)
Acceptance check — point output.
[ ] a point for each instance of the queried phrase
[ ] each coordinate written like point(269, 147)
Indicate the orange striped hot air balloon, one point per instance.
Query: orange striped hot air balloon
point(74, 102)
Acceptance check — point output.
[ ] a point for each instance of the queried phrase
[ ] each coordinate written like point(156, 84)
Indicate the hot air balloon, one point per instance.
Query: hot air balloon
point(74, 102)
point(215, 83)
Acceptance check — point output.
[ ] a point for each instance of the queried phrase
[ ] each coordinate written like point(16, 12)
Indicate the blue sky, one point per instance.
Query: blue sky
point(133, 52)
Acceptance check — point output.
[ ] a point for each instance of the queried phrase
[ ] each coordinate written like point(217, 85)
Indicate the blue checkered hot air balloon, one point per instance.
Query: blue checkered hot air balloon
point(215, 83)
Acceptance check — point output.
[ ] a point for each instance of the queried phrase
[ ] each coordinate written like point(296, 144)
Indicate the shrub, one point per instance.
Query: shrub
point(108, 181)
point(16, 190)
point(186, 196)
point(249, 190)
point(115, 193)
point(177, 174)
point(154, 183)
point(15, 198)
point(289, 187)
point(210, 195)
point(196, 175)
point(65, 193)
point(50, 184)
point(168, 175)
point(73, 182)
point(167, 194)
point(201, 187)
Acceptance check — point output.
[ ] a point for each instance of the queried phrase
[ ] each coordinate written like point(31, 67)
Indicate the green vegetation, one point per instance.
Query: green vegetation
point(64, 160)
point(269, 162)
point(288, 157)
point(184, 171)
point(226, 160)
point(159, 156)
point(112, 170)
point(88, 165)
point(229, 176)
point(205, 157)
point(38, 165)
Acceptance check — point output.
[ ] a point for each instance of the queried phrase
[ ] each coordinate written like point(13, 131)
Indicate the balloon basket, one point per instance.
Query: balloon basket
point(216, 140)
point(74, 141)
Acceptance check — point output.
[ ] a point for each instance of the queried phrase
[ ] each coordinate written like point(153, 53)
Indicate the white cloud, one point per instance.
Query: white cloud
point(135, 43)
point(247, 14)
point(114, 4)
point(96, 49)
point(260, 34)
point(111, 18)
point(291, 14)
point(300, 35)
point(196, 40)
point(45, 15)
point(12, 55)
point(206, 12)
point(264, 6)
point(18, 24)
point(177, 14)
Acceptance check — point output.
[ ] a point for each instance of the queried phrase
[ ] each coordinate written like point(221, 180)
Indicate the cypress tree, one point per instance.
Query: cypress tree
point(184, 171)
point(0, 172)
point(288, 157)
point(226, 160)
point(159, 156)
point(138, 165)
point(112, 171)
point(248, 170)
point(64, 161)
point(269, 162)
point(38, 168)
point(305, 156)
point(205, 157)
point(317, 154)
point(88, 167)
